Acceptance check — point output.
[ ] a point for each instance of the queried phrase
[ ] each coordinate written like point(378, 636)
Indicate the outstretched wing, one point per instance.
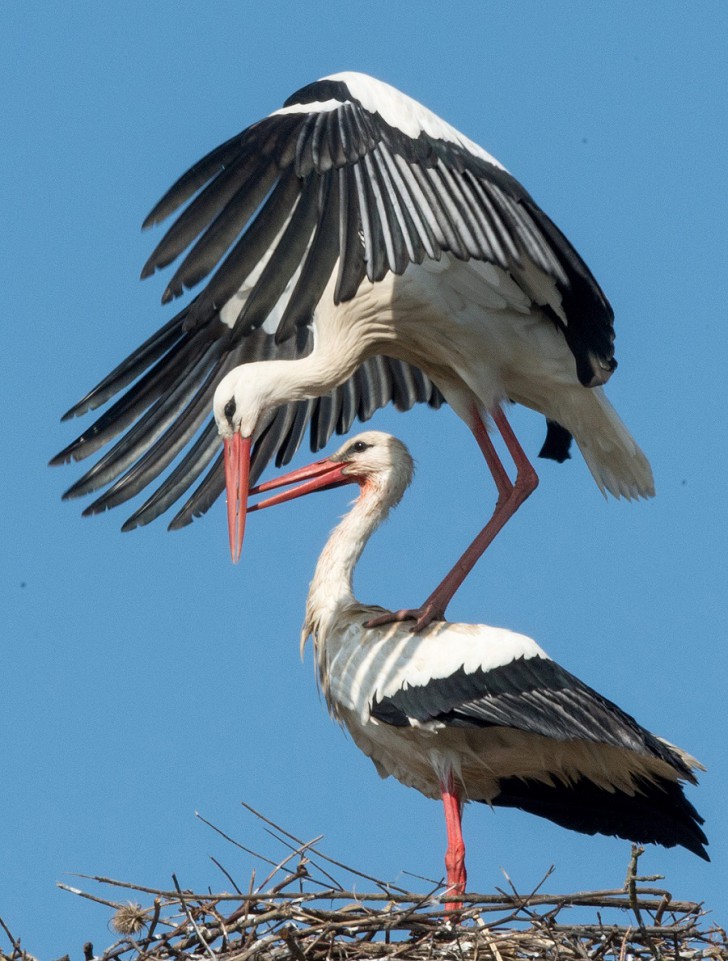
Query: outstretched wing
point(350, 179)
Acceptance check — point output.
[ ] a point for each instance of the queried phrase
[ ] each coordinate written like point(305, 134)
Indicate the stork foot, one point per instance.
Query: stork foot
point(422, 616)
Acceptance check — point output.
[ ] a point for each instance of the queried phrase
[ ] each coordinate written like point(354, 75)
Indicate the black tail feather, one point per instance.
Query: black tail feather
point(658, 813)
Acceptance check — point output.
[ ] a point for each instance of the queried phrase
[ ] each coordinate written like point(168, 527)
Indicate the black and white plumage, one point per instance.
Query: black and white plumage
point(474, 712)
point(358, 234)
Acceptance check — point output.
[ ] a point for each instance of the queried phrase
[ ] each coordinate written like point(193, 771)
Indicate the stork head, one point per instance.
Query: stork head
point(374, 460)
point(377, 459)
point(242, 398)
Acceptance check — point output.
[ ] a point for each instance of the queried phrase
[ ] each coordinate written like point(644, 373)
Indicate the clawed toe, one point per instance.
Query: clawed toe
point(422, 616)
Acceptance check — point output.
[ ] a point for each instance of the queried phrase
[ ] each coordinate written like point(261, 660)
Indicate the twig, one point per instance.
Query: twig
point(242, 847)
point(299, 851)
point(226, 873)
point(90, 897)
point(13, 941)
point(630, 882)
point(192, 921)
point(153, 923)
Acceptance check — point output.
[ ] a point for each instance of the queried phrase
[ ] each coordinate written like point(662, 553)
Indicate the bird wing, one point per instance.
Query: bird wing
point(350, 178)
point(531, 694)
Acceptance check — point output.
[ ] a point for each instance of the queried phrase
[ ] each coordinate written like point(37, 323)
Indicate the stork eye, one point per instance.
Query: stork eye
point(358, 447)
point(229, 409)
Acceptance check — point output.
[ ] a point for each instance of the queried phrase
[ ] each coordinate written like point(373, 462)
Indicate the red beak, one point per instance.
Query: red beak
point(320, 476)
point(237, 471)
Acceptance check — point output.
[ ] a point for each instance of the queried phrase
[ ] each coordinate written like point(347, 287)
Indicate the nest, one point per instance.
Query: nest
point(308, 908)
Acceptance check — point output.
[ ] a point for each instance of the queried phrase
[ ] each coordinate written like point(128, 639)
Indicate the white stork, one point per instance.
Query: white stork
point(362, 250)
point(468, 712)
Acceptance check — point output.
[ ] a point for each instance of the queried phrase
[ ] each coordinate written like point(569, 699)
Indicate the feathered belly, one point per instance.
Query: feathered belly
point(472, 329)
point(423, 756)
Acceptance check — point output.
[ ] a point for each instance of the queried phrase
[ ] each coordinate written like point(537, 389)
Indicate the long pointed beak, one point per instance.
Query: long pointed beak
point(237, 472)
point(320, 476)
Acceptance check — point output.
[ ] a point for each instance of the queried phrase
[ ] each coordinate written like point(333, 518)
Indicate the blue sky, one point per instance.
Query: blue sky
point(144, 677)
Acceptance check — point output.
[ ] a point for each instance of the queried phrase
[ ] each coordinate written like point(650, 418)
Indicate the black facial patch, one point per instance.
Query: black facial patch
point(229, 410)
point(358, 447)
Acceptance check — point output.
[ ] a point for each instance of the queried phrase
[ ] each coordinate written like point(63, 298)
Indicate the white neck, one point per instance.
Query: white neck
point(267, 384)
point(286, 381)
point(345, 335)
point(331, 588)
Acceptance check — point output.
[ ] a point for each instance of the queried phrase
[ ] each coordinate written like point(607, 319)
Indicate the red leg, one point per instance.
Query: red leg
point(455, 855)
point(510, 497)
point(495, 464)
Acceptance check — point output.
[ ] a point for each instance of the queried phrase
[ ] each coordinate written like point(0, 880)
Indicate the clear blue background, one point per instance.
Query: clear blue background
point(143, 677)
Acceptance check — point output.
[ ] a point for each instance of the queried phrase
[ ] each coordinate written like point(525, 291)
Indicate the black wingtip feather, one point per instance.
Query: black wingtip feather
point(197, 175)
point(180, 480)
point(203, 497)
point(163, 340)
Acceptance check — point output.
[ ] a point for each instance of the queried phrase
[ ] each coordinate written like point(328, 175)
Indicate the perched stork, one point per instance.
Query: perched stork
point(468, 712)
point(363, 251)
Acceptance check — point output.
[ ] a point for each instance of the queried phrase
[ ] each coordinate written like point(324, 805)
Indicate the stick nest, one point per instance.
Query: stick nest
point(302, 912)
